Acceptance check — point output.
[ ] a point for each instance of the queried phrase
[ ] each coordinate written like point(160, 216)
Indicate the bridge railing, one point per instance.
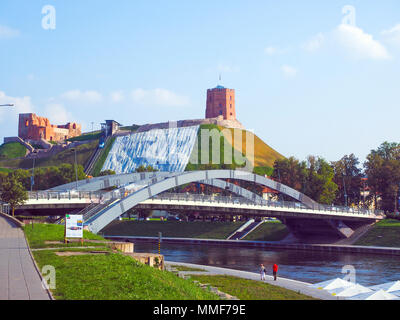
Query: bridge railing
point(68, 195)
point(256, 202)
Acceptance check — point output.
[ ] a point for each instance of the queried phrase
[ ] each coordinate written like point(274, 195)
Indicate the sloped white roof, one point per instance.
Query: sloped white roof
point(354, 290)
point(388, 287)
point(375, 295)
point(332, 284)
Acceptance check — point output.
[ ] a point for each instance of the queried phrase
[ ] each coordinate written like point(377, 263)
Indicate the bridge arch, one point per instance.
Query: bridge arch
point(98, 222)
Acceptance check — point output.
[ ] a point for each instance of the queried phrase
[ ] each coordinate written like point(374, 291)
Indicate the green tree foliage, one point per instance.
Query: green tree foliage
point(348, 179)
point(13, 192)
point(107, 173)
point(383, 170)
point(313, 177)
point(149, 168)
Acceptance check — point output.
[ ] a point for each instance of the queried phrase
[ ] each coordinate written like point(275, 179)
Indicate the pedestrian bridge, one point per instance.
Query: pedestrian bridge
point(304, 217)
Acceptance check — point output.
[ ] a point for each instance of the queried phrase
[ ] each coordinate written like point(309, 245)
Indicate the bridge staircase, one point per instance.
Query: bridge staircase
point(97, 210)
point(246, 229)
point(95, 156)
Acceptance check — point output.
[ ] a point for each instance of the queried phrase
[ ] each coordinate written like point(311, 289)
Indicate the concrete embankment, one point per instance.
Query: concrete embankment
point(269, 245)
point(293, 285)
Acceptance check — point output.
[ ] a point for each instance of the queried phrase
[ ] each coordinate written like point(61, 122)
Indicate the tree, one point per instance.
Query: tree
point(312, 177)
point(149, 168)
point(107, 173)
point(383, 170)
point(13, 192)
point(348, 179)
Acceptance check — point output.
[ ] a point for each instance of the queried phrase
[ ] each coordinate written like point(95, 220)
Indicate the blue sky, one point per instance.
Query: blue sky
point(309, 79)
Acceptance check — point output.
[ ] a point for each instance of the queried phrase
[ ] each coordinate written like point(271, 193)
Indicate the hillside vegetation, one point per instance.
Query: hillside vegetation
point(12, 150)
point(83, 153)
point(263, 155)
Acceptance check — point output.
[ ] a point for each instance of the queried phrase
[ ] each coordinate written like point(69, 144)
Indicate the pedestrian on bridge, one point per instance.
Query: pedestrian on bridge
point(275, 271)
point(263, 271)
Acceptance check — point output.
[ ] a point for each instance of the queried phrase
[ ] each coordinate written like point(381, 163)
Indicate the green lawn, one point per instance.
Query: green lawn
point(39, 233)
point(183, 268)
point(111, 276)
point(198, 229)
point(269, 231)
point(116, 277)
point(385, 233)
point(12, 150)
point(249, 289)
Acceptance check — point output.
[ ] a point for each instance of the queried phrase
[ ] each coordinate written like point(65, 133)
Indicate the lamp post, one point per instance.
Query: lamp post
point(345, 193)
point(34, 153)
point(76, 169)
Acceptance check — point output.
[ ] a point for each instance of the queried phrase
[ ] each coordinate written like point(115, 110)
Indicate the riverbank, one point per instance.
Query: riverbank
point(385, 233)
point(267, 245)
point(228, 281)
point(102, 274)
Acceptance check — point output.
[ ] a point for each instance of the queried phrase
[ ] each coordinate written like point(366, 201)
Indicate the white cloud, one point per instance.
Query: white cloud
point(7, 32)
point(288, 71)
point(359, 44)
point(117, 96)
point(158, 97)
point(57, 114)
point(314, 43)
point(82, 96)
point(274, 50)
point(21, 105)
point(392, 36)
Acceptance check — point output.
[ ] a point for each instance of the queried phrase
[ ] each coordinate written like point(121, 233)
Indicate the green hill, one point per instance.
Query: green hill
point(12, 150)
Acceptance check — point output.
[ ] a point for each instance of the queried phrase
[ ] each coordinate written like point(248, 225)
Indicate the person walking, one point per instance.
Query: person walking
point(262, 272)
point(275, 271)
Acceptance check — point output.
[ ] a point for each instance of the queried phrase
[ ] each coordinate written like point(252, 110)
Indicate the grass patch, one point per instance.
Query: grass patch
point(183, 268)
point(249, 289)
point(115, 277)
point(83, 153)
point(12, 150)
point(385, 233)
point(52, 232)
point(173, 229)
point(103, 157)
point(269, 231)
point(87, 136)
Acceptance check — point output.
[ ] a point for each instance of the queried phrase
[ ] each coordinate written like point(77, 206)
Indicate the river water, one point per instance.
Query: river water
point(307, 266)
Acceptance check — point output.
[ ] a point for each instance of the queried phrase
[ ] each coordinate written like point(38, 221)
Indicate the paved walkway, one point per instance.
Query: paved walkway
point(297, 286)
point(19, 279)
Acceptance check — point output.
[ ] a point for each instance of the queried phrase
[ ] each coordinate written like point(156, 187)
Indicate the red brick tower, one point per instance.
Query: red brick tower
point(221, 102)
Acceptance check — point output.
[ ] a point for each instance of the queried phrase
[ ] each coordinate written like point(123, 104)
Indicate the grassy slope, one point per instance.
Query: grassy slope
point(384, 234)
point(198, 229)
point(107, 277)
point(269, 231)
point(83, 154)
point(12, 150)
point(263, 155)
point(103, 157)
point(249, 289)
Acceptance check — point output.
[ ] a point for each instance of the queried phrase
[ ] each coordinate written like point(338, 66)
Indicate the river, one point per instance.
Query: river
point(304, 266)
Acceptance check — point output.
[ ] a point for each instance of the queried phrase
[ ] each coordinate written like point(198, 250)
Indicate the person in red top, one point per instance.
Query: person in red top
point(275, 271)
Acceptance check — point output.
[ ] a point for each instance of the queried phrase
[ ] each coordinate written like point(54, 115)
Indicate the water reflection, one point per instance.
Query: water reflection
point(305, 266)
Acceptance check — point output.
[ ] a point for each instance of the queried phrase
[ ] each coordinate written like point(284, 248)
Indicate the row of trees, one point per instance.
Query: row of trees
point(345, 182)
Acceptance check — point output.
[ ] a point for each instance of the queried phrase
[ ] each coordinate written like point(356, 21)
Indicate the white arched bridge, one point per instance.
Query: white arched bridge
point(304, 217)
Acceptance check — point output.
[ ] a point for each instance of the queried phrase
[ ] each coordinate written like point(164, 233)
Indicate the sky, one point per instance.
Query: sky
point(311, 77)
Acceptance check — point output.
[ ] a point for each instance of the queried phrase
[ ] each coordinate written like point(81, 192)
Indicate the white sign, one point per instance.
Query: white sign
point(74, 226)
